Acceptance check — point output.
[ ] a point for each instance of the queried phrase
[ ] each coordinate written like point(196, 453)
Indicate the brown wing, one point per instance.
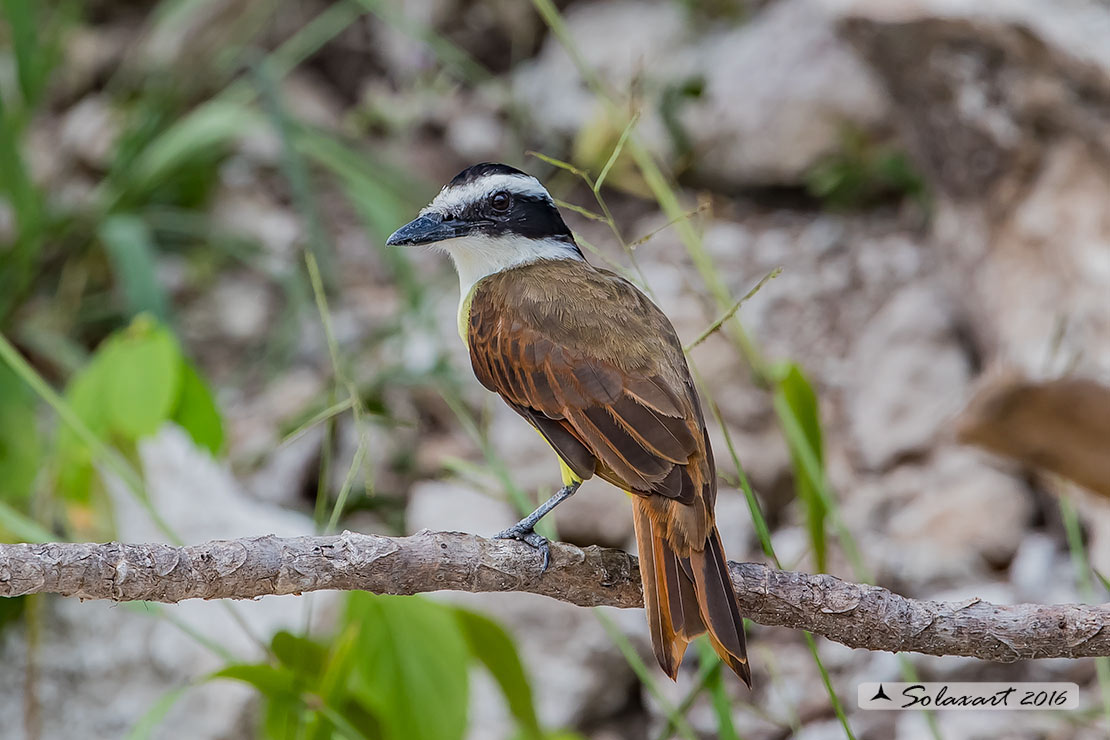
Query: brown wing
point(610, 391)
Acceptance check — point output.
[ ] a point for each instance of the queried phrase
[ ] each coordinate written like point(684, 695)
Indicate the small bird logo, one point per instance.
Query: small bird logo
point(597, 369)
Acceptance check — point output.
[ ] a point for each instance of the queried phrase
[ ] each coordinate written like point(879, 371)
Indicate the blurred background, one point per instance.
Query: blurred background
point(194, 197)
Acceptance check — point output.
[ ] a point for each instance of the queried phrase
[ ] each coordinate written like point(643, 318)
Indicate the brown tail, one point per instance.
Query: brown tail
point(685, 597)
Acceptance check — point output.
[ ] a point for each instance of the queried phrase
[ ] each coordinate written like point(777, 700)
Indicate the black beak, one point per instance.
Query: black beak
point(426, 229)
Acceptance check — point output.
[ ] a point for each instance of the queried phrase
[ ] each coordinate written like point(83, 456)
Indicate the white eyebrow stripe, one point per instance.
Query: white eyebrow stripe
point(453, 198)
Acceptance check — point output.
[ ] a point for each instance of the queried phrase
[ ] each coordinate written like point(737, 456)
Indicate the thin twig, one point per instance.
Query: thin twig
point(716, 325)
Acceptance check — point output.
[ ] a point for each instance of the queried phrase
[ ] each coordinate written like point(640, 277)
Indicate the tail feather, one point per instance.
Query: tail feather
point(719, 608)
point(684, 597)
point(666, 643)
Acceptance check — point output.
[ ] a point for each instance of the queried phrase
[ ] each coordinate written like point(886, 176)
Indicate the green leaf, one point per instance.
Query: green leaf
point(341, 658)
point(196, 411)
point(413, 658)
point(491, 644)
point(131, 248)
point(795, 396)
point(20, 441)
point(86, 396)
point(209, 127)
point(371, 186)
point(14, 525)
point(17, 260)
point(31, 62)
point(143, 375)
point(1105, 582)
point(277, 684)
point(301, 655)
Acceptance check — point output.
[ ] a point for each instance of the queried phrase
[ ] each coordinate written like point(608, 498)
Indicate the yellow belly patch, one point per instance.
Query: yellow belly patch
point(568, 475)
point(464, 313)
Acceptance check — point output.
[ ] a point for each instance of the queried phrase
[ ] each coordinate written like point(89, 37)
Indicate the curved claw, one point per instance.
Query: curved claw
point(529, 537)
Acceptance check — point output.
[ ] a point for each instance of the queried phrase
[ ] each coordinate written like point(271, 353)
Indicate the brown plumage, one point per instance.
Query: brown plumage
point(610, 390)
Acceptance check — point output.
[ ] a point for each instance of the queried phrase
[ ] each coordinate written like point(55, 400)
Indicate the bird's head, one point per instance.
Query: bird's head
point(491, 217)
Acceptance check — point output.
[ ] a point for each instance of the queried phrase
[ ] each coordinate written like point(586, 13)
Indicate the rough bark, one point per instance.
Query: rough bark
point(856, 615)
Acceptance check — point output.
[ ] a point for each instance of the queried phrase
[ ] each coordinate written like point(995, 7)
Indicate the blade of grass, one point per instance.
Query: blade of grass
point(516, 495)
point(1081, 564)
point(348, 483)
point(716, 325)
point(632, 121)
point(26, 202)
point(705, 673)
point(827, 681)
point(452, 56)
point(332, 21)
point(296, 173)
point(586, 212)
point(811, 466)
point(762, 531)
point(22, 526)
point(31, 61)
point(357, 410)
point(327, 414)
point(147, 725)
point(794, 391)
point(154, 609)
point(567, 166)
point(131, 250)
point(702, 208)
point(721, 706)
point(647, 678)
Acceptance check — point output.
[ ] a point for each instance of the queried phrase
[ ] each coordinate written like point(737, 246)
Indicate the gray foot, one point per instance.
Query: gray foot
point(524, 533)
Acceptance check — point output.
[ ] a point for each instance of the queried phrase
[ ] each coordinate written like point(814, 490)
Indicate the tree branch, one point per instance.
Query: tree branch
point(859, 616)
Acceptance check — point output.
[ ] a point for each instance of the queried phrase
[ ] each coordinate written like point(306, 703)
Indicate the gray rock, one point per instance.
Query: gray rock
point(1036, 569)
point(1006, 105)
point(779, 93)
point(622, 40)
point(89, 132)
point(911, 378)
point(778, 90)
point(950, 518)
point(453, 507)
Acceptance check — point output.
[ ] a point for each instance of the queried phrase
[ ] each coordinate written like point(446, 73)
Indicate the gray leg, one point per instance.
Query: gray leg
point(524, 530)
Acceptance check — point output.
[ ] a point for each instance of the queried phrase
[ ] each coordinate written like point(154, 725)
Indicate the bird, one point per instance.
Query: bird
point(595, 367)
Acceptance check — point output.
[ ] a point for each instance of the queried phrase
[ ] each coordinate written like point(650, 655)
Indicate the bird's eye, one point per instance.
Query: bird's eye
point(500, 201)
point(448, 216)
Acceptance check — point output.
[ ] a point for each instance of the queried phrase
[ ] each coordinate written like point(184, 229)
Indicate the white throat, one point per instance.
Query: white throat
point(475, 257)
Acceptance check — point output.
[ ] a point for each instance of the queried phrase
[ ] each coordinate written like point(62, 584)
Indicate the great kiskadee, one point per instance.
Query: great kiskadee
point(598, 370)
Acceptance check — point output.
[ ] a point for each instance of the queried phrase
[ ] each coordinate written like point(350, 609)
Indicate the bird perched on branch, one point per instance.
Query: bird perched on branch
point(597, 369)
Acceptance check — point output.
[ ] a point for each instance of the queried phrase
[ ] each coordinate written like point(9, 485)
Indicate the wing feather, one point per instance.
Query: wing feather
point(630, 421)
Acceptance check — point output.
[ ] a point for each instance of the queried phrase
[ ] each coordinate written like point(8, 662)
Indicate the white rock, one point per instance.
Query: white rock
point(779, 92)
point(281, 476)
point(950, 518)
point(243, 306)
point(620, 39)
point(911, 378)
point(89, 131)
point(453, 507)
point(1036, 569)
